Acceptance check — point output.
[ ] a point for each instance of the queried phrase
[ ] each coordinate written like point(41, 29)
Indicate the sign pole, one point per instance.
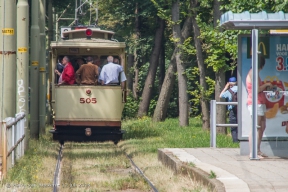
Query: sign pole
point(34, 70)
point(254, 92)
point(42, 69)
point(23, 62)
point(8, 59)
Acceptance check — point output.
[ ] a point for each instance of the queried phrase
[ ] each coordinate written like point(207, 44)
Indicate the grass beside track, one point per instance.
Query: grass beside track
point(143, 138)
point(141, 141)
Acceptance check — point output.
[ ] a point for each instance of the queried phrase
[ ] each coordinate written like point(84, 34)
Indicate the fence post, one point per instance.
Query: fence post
point(18, 136)
point(213, 123)
point(4, 149)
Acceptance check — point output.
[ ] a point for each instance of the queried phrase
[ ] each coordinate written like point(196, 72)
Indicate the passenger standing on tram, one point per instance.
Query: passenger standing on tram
point(110, 73)
point(59, 68)
point(96, 61)
point(88, 74)
point(116, 61)
point(67, 77)
point(79, 63)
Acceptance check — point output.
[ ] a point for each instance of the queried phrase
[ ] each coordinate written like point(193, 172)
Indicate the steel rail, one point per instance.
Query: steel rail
point(57, 170)
point(141, 173)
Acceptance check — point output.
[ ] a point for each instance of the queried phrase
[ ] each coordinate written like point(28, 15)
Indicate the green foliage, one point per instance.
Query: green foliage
point(130, 108)
point(195, 92)
point(217, 44)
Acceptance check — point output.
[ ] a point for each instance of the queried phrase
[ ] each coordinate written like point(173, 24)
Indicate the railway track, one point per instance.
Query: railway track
point(56, 182)
point(57, 173)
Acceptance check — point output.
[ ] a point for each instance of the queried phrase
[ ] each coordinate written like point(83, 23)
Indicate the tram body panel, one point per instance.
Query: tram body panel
point(104, 103)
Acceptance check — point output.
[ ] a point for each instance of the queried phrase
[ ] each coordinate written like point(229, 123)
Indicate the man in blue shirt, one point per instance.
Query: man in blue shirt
point(110, 73)
point(227, 94)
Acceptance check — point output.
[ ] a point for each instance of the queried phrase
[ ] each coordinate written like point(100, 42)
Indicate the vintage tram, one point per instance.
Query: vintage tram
point(86, 112)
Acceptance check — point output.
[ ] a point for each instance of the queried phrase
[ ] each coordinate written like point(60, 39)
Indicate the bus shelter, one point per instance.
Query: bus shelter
point(275, 50)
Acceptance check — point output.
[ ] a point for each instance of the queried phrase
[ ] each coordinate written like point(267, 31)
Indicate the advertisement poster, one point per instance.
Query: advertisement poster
point(275, 50)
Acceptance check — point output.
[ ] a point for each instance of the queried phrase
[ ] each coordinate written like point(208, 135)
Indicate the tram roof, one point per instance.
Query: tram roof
point(87, 43)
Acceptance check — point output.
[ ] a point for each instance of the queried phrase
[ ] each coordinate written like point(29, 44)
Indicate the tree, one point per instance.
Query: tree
point(182, 79)
point(201, 67)
point(219, 75)
point(154, 60)
point(160, 111)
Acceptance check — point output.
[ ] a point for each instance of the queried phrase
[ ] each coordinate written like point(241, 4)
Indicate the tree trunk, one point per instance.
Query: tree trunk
point(160, 111)
point(136, 51)
point(162, 65)
point(200, 62)
point(182, 79)
point(216, 12)
point(130, 63)
point(221, 109)
point(219, 77)
point(154, 59)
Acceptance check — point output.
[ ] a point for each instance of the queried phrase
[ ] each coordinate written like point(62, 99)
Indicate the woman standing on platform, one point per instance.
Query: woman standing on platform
point(261, 107)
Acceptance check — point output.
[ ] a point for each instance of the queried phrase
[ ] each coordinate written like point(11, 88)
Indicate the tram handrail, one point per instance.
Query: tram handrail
point(12, 136)
point(213, 123)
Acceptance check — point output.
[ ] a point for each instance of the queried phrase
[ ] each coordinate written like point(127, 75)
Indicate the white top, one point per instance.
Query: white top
point(110, 73)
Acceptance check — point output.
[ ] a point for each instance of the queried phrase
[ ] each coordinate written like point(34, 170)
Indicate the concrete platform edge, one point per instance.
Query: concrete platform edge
point(169, 160)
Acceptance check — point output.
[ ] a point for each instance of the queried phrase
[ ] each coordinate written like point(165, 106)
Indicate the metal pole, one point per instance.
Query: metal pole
point(54, 23)
point(76, 10)
point(1, 65)
point(1, 94)
point(50, 23)
point(8, 59)
point(254, 92)
point(50, 38)
point(34, 71)
point(213, 123)
point(42, 68)
point(23, 62)
point(56, 27)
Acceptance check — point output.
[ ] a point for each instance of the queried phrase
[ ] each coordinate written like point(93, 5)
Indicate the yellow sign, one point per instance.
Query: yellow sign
point(34, 63)
point(42, 69)
point(279, 31)
point(8, 31)
point(263, 47)
point(261, 44)
point(22, 49)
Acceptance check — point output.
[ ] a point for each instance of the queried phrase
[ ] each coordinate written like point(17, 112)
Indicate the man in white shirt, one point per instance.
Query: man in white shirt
point(110, 73)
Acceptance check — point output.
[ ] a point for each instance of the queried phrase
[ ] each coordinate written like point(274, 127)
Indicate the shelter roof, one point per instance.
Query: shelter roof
point(261, 20)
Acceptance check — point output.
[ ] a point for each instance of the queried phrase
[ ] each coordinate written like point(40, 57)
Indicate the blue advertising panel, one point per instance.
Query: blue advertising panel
point(275, 50)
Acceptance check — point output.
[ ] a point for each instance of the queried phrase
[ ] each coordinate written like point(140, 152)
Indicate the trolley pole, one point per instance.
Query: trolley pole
point(54, 24)
point(56, 27)
point(23, 62)
point(8, 59)
point(50, 23)
point(34, 71)
point(42, 69)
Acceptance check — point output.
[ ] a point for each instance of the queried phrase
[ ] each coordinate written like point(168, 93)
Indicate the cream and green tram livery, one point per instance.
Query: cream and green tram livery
point(86, 112)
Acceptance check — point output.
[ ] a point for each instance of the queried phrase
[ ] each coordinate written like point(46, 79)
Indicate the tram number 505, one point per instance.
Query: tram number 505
point(88, 100)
